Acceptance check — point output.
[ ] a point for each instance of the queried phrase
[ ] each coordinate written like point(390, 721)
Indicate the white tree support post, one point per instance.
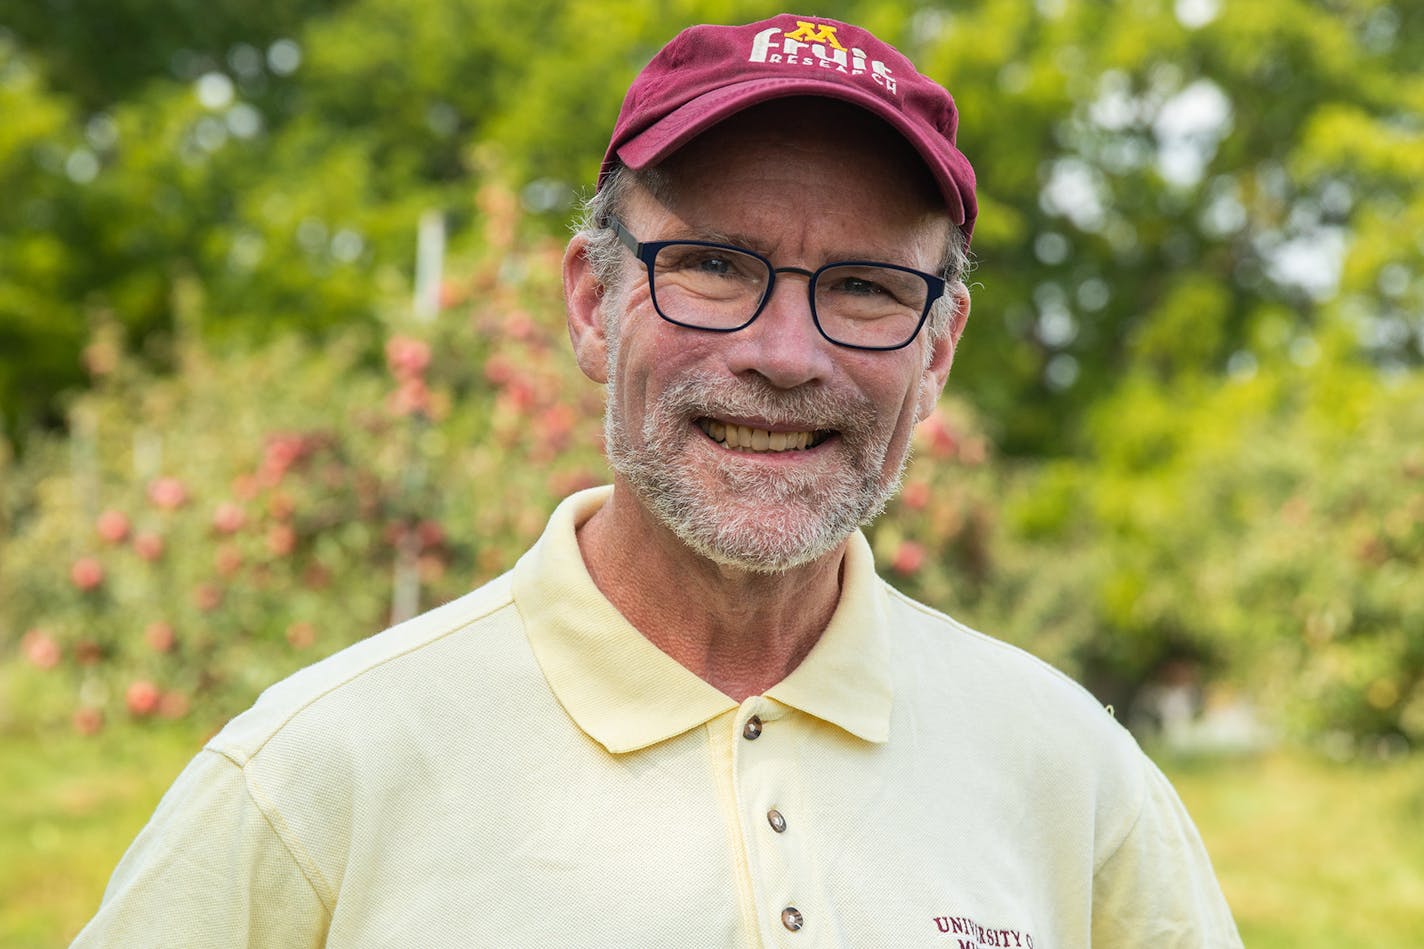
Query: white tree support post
point(429, 264)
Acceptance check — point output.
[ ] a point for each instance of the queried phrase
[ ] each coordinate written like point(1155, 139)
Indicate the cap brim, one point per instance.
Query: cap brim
point(651, 145)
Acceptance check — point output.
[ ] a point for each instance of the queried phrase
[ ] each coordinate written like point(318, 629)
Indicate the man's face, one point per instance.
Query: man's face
point(765, 448)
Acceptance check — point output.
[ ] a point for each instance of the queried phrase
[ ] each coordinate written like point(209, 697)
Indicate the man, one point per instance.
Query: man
point(692, 715)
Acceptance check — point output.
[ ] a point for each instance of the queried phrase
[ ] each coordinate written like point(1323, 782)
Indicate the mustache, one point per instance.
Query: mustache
point(702, 394)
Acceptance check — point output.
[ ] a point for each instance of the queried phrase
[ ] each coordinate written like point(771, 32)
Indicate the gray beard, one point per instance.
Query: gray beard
point(760, 521)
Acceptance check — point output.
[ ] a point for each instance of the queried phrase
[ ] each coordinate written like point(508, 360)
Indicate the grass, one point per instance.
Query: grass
point(71, 807)
point(1310, 853)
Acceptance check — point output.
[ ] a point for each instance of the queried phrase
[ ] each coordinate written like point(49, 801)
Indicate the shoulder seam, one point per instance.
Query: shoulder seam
point(276, 728)
point(1143, 762)
point(323, 890)
point(985, 638)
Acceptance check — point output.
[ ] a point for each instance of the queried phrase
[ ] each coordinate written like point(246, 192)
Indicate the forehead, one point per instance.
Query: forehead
point(808, 160)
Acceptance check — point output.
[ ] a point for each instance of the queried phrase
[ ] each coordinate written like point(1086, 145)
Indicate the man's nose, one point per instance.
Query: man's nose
point(782, 344)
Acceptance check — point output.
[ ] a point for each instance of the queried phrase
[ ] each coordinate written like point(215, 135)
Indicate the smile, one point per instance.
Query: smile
point(747, 438)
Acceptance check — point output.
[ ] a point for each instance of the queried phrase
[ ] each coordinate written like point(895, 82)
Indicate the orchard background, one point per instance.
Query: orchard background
point(1181, 454)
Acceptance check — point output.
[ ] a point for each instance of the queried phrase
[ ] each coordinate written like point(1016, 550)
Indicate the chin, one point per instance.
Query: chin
point(758, 540)
point(758, 521)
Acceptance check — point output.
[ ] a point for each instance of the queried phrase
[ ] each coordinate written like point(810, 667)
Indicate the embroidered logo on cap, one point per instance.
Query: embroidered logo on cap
point(815, 33)
point(816, 45)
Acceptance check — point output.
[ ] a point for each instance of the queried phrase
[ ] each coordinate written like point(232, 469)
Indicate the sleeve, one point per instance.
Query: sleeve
point(207, 871)
point(1157, 888)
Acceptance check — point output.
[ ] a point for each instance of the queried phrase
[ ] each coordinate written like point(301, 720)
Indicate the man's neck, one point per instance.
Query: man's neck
point(739, 630)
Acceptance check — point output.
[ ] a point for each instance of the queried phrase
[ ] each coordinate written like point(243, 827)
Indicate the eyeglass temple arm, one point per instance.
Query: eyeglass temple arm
point(628, 240)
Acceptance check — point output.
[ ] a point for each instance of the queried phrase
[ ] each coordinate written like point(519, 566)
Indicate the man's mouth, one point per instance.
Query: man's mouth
point(747, 438)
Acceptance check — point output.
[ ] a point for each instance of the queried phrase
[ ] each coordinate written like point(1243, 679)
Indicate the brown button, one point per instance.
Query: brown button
point(777, 822)
point(792, 919)
point(752, 729)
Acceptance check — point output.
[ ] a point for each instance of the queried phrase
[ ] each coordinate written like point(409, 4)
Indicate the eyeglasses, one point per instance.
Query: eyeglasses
point(722, 288)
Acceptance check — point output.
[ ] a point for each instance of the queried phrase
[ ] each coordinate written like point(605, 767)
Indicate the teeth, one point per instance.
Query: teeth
point(745, 438)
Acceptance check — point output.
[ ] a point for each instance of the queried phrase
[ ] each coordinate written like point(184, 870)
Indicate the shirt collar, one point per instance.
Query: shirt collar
point(627, 694)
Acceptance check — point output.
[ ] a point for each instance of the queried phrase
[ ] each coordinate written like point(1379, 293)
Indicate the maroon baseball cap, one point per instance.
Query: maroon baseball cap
point(707, 74)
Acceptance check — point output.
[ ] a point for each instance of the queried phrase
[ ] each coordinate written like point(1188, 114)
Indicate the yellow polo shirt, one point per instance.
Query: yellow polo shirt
point(521, 767)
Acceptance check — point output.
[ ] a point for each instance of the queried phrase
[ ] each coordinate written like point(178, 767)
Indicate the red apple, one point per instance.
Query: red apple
point(207, 597)
point(159, 636)
point(301, 634)
point(227, 559)
point(41, 649)
point(88, 653)
point(148, 545)
point(938, 436)
point(113, 526)
point(407, 358)
point(168, 493)
point(909, 558)
point(916, 495)
point(228, 518)
point(87, 573)
point(88, 721)
point(142, 698)
point(281, 539)
point(173, 705)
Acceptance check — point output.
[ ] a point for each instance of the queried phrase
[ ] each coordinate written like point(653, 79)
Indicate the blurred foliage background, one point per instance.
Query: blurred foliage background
point(1182, 443)
point(1182, 455)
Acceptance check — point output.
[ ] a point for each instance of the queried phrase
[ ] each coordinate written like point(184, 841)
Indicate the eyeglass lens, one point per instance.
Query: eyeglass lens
point(720, 288)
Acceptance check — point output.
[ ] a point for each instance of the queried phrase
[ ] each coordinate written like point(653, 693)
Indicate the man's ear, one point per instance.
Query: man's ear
point(936, 372)
point(583, 303)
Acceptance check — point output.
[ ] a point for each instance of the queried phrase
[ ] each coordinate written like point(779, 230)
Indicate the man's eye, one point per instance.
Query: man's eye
point(860, 287)
point(714, 264)
point(704, 262)
point(867, 285)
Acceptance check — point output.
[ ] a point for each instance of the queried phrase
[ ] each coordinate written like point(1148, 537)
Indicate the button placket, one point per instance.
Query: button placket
point(791, 917)
point(762, 764)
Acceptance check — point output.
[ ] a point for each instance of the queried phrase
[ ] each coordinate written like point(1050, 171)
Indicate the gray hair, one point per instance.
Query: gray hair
point(605, 251)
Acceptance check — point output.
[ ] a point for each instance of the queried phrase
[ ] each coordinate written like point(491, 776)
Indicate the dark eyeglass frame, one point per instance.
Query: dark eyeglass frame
point(647, 252)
